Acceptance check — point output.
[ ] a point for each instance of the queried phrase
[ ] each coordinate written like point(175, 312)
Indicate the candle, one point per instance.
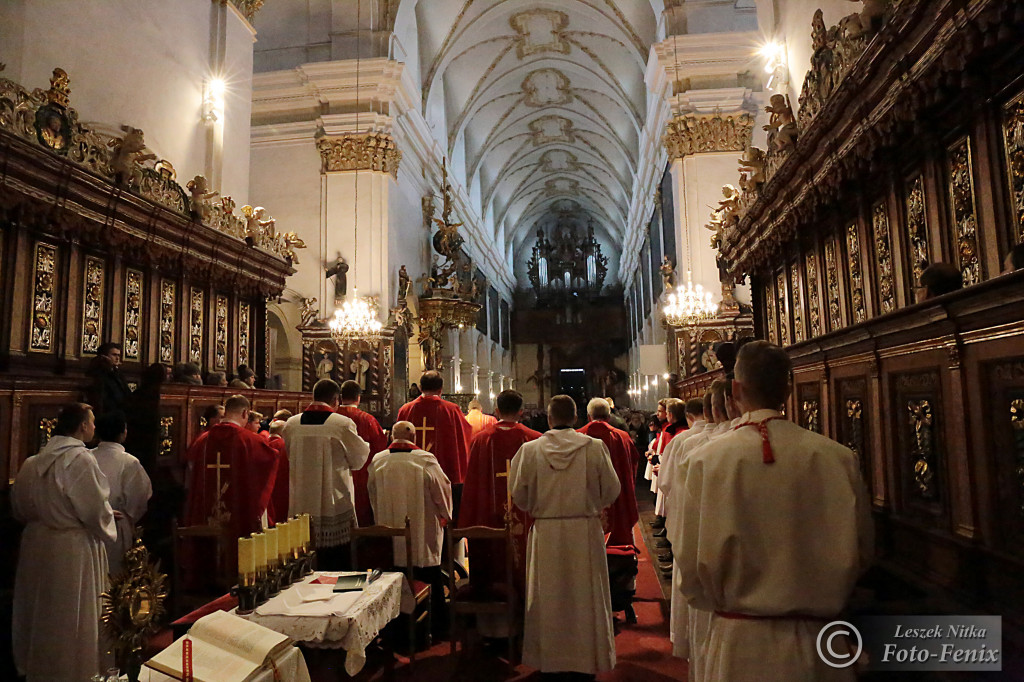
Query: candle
point(294, 536)
point(260, 552)
point(271, 534)
point(246, 559)
point(305, 530)
point(284, 537)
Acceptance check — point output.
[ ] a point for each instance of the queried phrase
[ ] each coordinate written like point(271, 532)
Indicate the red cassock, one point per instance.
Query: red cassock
point(278, 510)
point(441, 430)
point(233, 472)
point(622, 514)
point(485, 498)
point(369, 430)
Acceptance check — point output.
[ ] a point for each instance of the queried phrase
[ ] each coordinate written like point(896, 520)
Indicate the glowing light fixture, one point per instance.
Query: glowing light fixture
point(689, 305)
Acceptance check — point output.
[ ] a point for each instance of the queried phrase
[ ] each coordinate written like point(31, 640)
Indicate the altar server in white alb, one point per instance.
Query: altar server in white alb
point(406, 481)
point(776, 530)
point(130, 488)
point(563, 480)
point(324, 448)
point(61, 496)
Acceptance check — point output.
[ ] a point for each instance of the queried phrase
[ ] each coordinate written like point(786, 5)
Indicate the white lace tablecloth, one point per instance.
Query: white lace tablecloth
point(352, 627)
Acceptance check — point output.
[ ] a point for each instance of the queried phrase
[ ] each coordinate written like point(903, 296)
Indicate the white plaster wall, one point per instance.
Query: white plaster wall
point(140, 62)
point(794, 26)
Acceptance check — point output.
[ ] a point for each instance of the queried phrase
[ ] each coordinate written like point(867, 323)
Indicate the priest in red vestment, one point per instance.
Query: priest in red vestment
point(369, 430)
point(231, 476)
point(485, 500)
point(279, 498)
point(441, 430)
point(622, 514)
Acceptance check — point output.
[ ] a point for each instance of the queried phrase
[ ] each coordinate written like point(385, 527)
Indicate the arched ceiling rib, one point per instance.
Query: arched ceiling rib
point(543, 103)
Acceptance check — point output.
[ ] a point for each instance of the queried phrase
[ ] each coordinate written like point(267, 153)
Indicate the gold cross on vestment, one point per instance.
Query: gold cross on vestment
point(423, 442)
point(217, 467)
point(508, 490)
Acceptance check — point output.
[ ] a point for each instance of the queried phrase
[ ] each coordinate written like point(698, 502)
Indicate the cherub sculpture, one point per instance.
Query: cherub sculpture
point(727, 206)
point(310, 311)
point(867, 20)
point(751, 169)
point(668, 273)
point(202, 198)
point(289, 242)
point(781, 126)
point(128, 152)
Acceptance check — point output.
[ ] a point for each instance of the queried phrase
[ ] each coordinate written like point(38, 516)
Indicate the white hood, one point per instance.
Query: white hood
point(59, 449)
point(561, 445)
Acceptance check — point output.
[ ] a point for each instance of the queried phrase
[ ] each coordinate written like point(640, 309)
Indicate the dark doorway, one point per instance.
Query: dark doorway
point(573, 383)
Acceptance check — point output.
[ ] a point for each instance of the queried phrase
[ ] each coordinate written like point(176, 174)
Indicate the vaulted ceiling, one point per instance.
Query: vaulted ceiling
point(539, 105)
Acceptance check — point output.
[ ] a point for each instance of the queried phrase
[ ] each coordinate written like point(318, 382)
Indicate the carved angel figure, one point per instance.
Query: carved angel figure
point(867, 21)
point(751, 169)
point(289, 242)
point(668, 273)
point(781, 126)
point(202, 198)
point(127, 153)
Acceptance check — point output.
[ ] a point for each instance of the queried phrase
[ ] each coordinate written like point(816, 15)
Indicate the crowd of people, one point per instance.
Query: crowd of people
point(763, 526)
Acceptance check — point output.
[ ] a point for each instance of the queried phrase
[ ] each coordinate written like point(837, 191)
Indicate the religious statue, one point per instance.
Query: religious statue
point(751, 169)
point(287, 243)
point(258, 232)
point(781, 126)
point(668, 273)
point(310, 311)
point(202, 198)
point(404, 283)
point(339, 271)
point(727, 206)
point(867, 20)
point(358, 368)
point(128, 151)
point(53, 133)
point(430, 343)
point(324, 367)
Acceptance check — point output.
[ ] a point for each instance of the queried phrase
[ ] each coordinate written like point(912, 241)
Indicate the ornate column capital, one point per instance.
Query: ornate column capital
point(362, 151)
point(698, 133)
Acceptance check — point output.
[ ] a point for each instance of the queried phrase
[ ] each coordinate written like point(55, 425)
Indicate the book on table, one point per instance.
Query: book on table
point(225, 648)
point(358, 581)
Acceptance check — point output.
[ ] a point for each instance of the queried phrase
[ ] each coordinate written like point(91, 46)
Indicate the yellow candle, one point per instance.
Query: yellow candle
point(246, 556)
point(271, 534)
point(260, 550)
point(305, 529)
point(284, 537)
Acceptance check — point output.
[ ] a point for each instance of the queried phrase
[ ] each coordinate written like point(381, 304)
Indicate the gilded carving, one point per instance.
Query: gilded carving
point(132, 314)
point(243, 333)
point(860, 313)
point(1017, 431)
point(780, 283)
point(835, 50)
point(923, 447)
point(248, 7)
point(46, 427)
point(917, 228)
point(798, 317)
point(698, 133)
point(166, 438)
point(835, 310)
point(813, 302)
point(195, 325)
point(362, 151)
point(855, 426)
point(812, 414)
point(41, 331)
point(168, 291)
point(92, 305)
point(965, 215)
point(769, 305)
point(220, 353)
point(883, 256)
point(1013, 146)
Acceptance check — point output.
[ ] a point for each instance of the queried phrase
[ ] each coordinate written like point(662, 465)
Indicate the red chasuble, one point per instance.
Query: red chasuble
point(369, 430)
point(442, 431)
point(485, 498)
point(278, 510)
point(622, 514)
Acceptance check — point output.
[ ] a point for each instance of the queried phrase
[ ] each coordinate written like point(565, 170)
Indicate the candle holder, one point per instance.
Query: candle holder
point(247, 601)
point(273, 579)
point(262, 591)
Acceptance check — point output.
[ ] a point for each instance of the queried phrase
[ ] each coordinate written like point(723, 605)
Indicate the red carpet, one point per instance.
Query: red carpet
point(643, 651)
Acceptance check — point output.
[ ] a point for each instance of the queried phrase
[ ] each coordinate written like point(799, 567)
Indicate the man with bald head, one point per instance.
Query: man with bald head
point(794, 501)
point(405, 481)
point(564, 480)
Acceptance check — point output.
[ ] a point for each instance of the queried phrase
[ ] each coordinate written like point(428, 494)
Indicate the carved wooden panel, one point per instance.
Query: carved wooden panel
point(813, 301)
point(797, 303)
point(918, 411)
point(964, 211)
point(883, 258)
point(1013, 146)
point(780, 292)
point(195, 325)
point(132, 315)
point(918, 253)
point(44, 277)
point(857, 303)
point(769, 306)
point(852, 421)
point(243, 333)
point(220, 353)
point(168, 291)
point(809, 404)
point(92, 304)
point(1005, 416)
point(832, 296)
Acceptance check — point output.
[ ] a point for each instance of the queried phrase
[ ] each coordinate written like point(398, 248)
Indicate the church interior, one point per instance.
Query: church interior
point(578, 197)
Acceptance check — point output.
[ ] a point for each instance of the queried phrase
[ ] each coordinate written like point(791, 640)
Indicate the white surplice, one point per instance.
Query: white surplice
point(130, 490)
point(563, 480)
point(322, 454)
point(61, 496)
point(411, 484)
point(788, 538)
